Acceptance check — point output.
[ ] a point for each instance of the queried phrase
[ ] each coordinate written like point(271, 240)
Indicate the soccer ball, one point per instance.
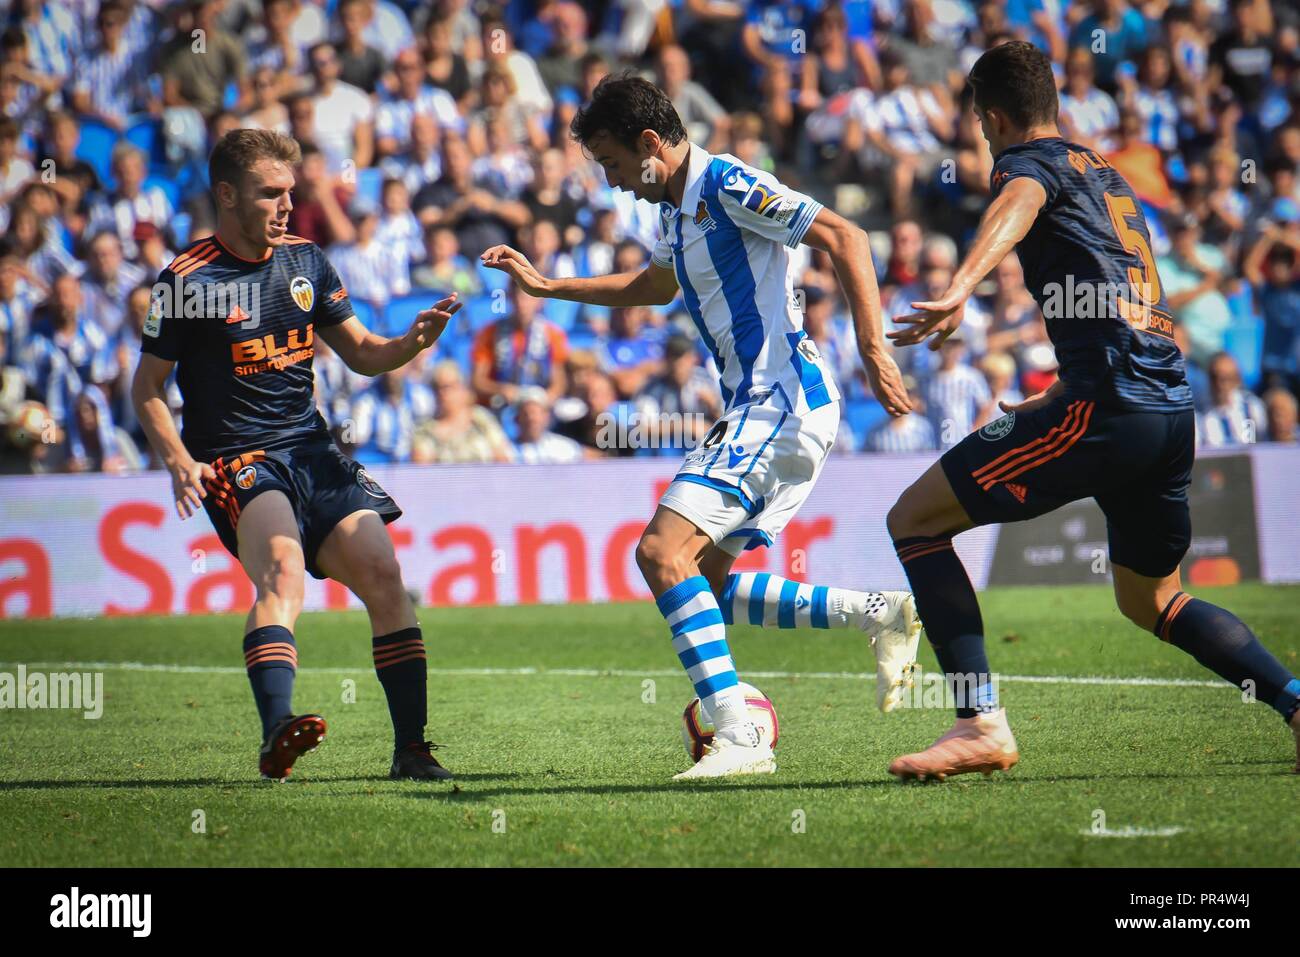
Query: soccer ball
point(697, 730)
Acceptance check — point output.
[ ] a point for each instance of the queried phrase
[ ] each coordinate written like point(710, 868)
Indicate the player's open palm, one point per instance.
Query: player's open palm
point(516, 265)
point(430, 323)
point(188, 487)
point(935, 319)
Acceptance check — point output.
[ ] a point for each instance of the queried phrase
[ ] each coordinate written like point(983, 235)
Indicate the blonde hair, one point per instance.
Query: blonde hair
point(240, 150)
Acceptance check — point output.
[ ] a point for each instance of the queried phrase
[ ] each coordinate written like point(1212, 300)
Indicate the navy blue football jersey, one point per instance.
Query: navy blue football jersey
point(242, 335)
point(1088, 262)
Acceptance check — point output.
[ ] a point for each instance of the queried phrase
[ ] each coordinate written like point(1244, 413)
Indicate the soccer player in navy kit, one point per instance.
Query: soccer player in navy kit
point(1117, 426)
point(236, 315)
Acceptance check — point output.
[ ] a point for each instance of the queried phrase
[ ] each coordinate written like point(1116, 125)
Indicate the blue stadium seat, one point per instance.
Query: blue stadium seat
point(96, 148)
point(863, 416)
point(180, 226)
point(365, 312)
point(492, 279)
point(147, 134)
point(562, 312)
point(401, 312)
point(454, 346)
point(582, 338)
point(1245, 340)
point(478, 313)
point(167, 185)
point(370, 183)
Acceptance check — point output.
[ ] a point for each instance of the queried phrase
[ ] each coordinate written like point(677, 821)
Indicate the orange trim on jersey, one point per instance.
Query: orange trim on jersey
point(1175, 607)
point(291, 240)
point(190, 257)
point(269, 250)
point(1069, 415)
point(1038, 457)
point(185, 257)
point(198, 263)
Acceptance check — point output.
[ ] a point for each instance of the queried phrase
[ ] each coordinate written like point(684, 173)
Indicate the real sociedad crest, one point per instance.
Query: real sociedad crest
point(303, 293)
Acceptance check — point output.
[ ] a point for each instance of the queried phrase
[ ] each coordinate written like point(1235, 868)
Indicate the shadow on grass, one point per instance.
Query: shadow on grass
point(231, 783)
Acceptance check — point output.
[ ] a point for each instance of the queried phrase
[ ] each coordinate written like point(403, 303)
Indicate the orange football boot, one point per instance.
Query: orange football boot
point(983, 743)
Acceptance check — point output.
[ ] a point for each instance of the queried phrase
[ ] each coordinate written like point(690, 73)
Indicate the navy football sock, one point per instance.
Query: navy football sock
point(272, 661)
point(400, 663)
point(1220, 641)
point(946, 602)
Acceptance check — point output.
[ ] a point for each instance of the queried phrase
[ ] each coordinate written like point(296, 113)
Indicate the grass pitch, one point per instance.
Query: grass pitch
point(565, 759)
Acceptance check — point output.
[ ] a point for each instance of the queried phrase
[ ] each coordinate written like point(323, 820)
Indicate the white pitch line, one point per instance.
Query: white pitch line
point(596, 673)
point(1135, 832)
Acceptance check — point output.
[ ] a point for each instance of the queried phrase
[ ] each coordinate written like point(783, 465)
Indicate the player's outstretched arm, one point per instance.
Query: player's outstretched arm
point(1006, 222)
point(147, 395)
point(652, 286)
point(364, 352)
point(850, 253)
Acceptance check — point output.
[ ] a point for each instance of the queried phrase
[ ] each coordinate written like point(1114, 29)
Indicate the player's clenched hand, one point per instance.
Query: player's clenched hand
point(430, 323)
point(938, 318)
point(516, 265)
point(187, 486)
point(887, 384)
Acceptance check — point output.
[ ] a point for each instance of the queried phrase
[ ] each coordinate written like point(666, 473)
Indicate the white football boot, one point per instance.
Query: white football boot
point(895, 632)
point(733, 751)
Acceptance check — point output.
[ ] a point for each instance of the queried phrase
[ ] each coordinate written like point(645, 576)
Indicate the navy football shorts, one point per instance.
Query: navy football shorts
point(323, 487)
point(1137, 465)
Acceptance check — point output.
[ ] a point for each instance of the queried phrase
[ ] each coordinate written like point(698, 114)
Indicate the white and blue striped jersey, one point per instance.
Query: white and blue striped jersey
point(729, 246)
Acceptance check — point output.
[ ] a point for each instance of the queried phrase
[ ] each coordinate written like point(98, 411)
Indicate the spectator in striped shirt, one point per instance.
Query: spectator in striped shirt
point(17, 306)
point(108, 281)
point(904, 433)
point(132, 202)
point(399, 231)
point(370, 271)
point(520, 350)
point(904, 129)
point(1235, 416)
point(421, 162)
point(112, 81)
point(271, 44)
point(414, 97)
point(384, 417)
point(955, 394)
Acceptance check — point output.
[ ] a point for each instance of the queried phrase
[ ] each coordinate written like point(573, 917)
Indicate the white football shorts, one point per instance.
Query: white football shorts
point(744, 482)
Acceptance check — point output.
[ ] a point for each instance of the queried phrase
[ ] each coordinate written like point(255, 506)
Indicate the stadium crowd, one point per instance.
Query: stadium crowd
point(433, 130)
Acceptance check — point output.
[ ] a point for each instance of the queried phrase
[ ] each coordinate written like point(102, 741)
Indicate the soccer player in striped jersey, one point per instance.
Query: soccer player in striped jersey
point(725, 233)
point(236, 315)
point(1117, 426)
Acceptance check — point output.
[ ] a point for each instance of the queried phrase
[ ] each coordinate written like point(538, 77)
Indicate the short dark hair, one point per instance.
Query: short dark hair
point(239, 150)
point(1016, 78)
point(623, 106)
